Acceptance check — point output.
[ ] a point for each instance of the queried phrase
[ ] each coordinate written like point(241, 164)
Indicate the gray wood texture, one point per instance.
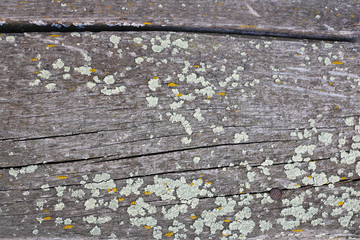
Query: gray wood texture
point(178, 136)
point(309, 17)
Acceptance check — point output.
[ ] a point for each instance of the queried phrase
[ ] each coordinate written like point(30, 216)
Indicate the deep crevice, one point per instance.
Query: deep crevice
point(21, 27)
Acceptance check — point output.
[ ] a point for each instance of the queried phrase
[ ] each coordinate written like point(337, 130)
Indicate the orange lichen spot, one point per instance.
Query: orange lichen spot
point(169, 234)
point(51, 45)
point(36, 72)
point(173, 84)
point(147, 23)
point(297, 230)
point(114, 190)
point(310, 177)
point(33, 59)
point(46, 17)
point(155, 78)
point(219, 208)
point(208, 97)
point(121, 199)
point(337, 14)
point(227, 220)
point(340, 203)
point(196, 66)
point(46, 210)
point(219, 4)
point(330, 83)
point(352, 15)
point(337, 62)
point(208, 182)
point(109, 190)
point(62, 177)
point(147, 227)
point(179, 95)
point(248, 26)
point(93, 70)
point(222, 93)
point(108, 7)
point(240, 192)
point(343, 178)
point(54, 35)
point(169, 189)
point(193, 217)
point(133, 203)
point(191, 184)
point(47, 218)
point(68, 227)
point(147, 192)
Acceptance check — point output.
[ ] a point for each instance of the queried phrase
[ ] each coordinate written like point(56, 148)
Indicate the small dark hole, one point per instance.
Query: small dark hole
point(275, 194)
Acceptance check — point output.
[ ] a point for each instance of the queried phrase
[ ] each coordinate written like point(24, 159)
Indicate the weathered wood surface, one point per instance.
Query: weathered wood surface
point(310, 17)
point(178, 136)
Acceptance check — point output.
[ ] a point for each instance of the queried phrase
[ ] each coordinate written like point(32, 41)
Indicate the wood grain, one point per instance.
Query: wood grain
point(337, 18)
point(178, 136)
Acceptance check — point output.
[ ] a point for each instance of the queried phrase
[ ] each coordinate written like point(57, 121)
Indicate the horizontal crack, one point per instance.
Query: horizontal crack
point(21, 27)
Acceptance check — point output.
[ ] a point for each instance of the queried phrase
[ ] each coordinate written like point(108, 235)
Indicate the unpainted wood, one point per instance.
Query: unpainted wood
point(234, 118)
point(313, 17)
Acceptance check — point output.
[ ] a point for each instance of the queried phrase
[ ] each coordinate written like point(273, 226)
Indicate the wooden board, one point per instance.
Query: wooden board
point(315, 18)
point(178, 136)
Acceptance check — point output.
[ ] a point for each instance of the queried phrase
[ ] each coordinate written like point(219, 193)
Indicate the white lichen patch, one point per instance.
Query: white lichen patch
point(325, 138)
point(264, 225)
point(186, 140)
point(90, 85)
point(141, 208)
point(10, 39)
point(36, 82)
point(319, 179)
point(96, 220)
point(109, 79)
point(241, 137)
point(349, 158)
point(143, 221)
point(84, 70)
point(217, 129)
point(23, 170)
point(174, 117)
point(139, 60)
point(132, 186)
point(60, 190)
point(101, 181)
point(50, 86)
point(198, 115)
point(58, 64)
point(175, 105)
point(90, 204)
point(350, 121)
point(153, 84)
point(96, 231)
point(59, 206)
point(180, 43)
point(196, 159)
point(164, 43)
point(152, 101)
point(113, 91)
point(45, 74)
point(292, 171)
point(115, 40)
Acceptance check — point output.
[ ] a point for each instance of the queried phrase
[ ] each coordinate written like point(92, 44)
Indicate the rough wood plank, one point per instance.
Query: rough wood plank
point(311, 17)
point(234, 118)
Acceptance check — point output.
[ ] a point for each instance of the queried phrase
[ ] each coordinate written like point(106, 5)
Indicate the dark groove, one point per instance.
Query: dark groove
point(21, 27)
point(142, 155)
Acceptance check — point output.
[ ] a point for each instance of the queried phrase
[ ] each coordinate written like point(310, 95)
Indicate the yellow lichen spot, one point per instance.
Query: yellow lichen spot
point(107, 72)
point(208, 182)
point(133, 203)
point(46, 210)
point(179, 95)
point(173, 84)
point(47, 218)
point(208, 97)
point(114, 190)
point(93, 70)
point(68, 227)
point(310, 177)
point(147, 23)
point(165, 183)
point(155, 78)
point(62, 177)
point(352, 15)
point(248, 26)
point(193, 217)
point(219, 208)
point(240, 192)
point(297, 230)
point(227, 220)
point(279, 82)
point(109, 190)
point(340, 203)
point(54, 35)
point(196, 66)
point(337, 62)
point(222, 93)
point(36, 72)
point(147, 192)
point(191, 184)
point(147, 227)
point(121, 199)
point(33, 59)
point(50, 45)
point(336, 106)
point(219, 4)
point(343, 178)
point(330, 83)
point(169, 234)
point(151, 3)
point(296, 8)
